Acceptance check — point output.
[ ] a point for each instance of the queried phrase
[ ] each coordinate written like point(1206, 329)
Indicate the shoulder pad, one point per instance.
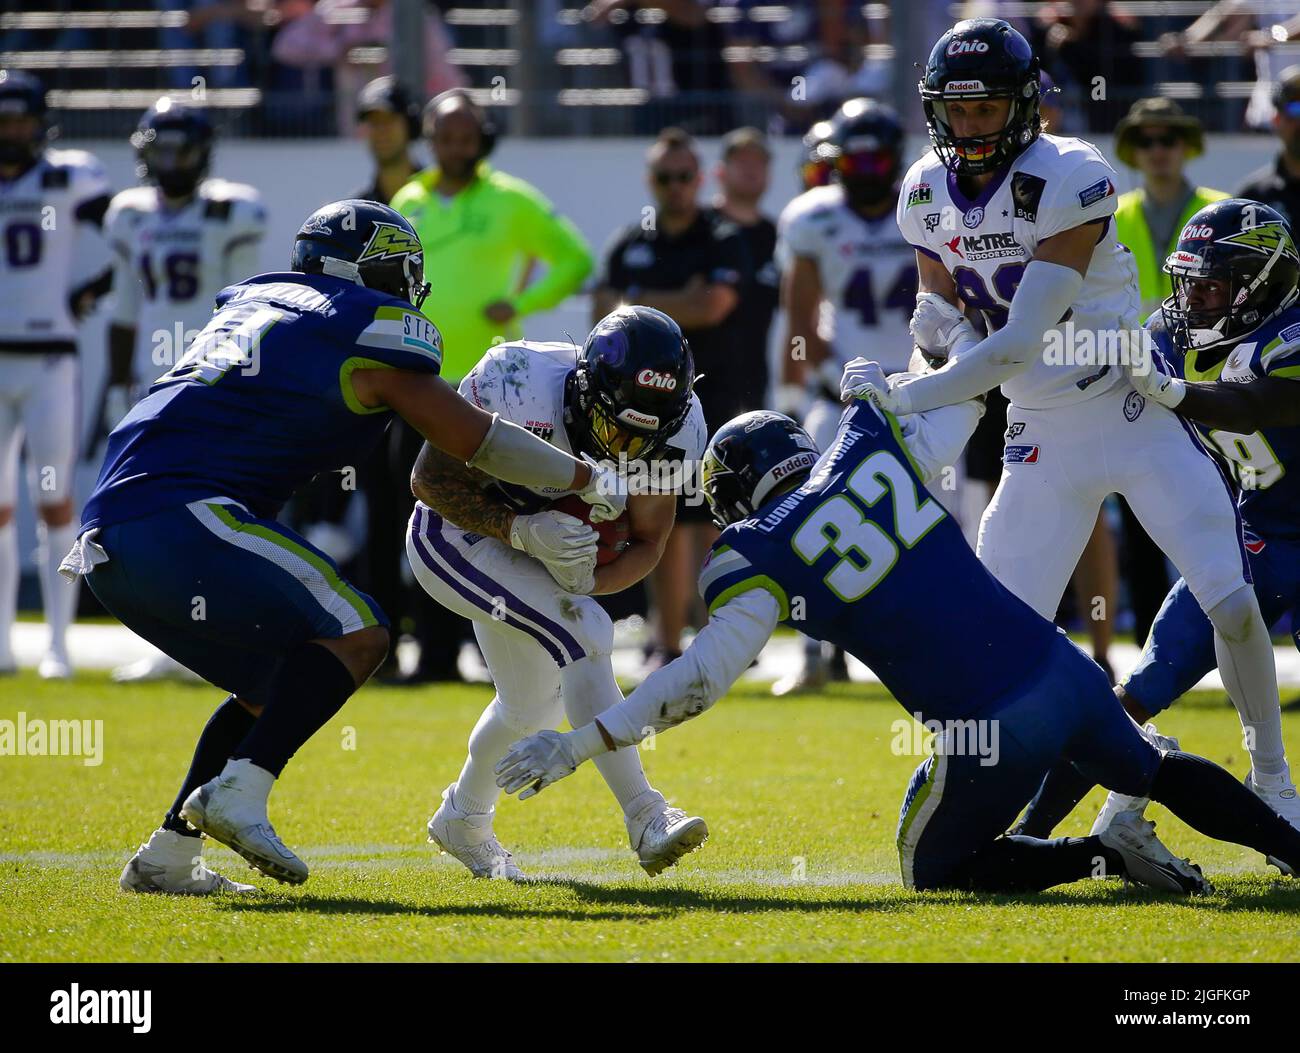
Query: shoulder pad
point(217, 208)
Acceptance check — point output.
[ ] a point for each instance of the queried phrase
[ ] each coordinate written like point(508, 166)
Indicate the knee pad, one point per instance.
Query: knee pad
point(528, 719)
point(1235, 617)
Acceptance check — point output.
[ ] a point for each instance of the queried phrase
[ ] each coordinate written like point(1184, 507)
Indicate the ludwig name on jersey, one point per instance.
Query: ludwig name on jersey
point(1266, 463)
point(170, 264)
point(524, 381)
point(262, 401)
point(50, 244)
point(862, 556)
point(986, 243)
point(867, 271)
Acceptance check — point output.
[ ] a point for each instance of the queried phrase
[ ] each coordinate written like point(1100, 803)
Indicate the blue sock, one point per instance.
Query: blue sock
point(1029, 864)
point(1063, 787)
point(224, 731)
point(309, 687)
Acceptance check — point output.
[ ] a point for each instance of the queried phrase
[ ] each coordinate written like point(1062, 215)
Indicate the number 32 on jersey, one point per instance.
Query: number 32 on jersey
point(868, 552)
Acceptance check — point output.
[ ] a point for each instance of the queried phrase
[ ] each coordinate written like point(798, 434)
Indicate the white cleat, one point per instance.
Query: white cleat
point(661, 835)
point(1119, 803)
point(54, 667)
point(1147, 861)
point(157, 666)
point(469, 839)
point(169, 862)
point(1280, 795)
point(232, 809)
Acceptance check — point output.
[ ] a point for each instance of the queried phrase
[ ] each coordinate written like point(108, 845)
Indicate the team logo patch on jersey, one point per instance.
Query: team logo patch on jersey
point(1090, 195)
point(389, 241)
point(1289, 333)
point(974, 217)
point(1020, 455)
point(953, 245)
point(931, 222)
point(1134, 404)
point(1027, 194)
point(1015, 430)
point(921, 194)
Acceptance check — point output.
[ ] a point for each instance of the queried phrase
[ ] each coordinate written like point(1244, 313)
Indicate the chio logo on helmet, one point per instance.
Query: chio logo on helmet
point(966, 47)
point(650, 378)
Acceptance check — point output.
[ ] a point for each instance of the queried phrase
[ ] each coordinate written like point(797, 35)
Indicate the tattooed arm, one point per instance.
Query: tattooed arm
point(456, 492)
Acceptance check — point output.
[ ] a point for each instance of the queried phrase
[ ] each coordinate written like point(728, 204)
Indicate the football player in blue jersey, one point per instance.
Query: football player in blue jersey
point(297, 373)
point(1227, 355)
point(856, 542)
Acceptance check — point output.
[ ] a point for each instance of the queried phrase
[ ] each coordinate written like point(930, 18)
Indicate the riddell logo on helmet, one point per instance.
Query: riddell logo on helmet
point(963, 87)
point(649, 378)
point(966, 47)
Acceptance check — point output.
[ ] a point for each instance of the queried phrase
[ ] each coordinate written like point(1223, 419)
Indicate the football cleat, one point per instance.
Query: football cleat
point(1117, 803)
point(54, 667)
point(1147, 861)
point(157, 666)
point(469, 838)
point(1281, 797)
point(172, 863)
point(232, 809)
point(660, 836)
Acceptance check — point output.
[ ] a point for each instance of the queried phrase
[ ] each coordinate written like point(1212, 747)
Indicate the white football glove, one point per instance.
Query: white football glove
point(576, 575)
point(553, 537)
point(865, 379)
point(532, 764)
point(606, 493)
point(940, 329)
point(1150, 376)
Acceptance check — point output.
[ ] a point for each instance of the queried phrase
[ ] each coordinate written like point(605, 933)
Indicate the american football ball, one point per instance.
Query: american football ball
point(613, 535)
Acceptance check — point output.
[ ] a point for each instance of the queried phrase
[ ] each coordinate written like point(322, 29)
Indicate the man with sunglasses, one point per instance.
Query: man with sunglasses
point(849, 287)
point(691, 263)
point(1278, 184)
point(525, 574)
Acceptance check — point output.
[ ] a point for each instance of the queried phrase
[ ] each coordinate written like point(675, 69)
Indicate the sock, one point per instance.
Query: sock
point(58, 595)
point(476, 790)
point(1064, 786)
point(8, 589)
point(1029, 864)
point(1245, 656)
point(222, 733)
point(1209, 799)
point(310, 686)
point(589, 688)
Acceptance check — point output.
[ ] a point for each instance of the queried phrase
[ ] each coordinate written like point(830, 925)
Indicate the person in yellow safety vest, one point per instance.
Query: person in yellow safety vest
point(1158, 139)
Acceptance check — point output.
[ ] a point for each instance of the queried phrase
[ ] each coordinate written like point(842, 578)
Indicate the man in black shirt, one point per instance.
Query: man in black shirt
point(743, 176)
point(1278, 184)
point(690, 263)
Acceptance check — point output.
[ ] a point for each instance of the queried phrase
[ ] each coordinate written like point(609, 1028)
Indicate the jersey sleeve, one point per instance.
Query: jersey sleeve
point(1081, 193)
point(916, 191)
point(494, 378)
point(798, 236)
point(395, 334)
point(1281, 356)
point(91, 192)
point(242, 250)
point(729, 572)
point(690, 439)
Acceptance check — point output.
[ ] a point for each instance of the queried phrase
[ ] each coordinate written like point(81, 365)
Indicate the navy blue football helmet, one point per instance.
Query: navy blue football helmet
point(22, 95)
point(751, 460)
point(631, 389)
point(865, 150)
point(173, 147)
point(981, 58)
point(366, 243)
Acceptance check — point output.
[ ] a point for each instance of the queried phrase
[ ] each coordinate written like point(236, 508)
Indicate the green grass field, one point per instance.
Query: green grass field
point(801, 797)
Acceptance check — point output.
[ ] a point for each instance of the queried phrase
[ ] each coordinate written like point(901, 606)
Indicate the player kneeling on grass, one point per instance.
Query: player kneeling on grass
point(502, 556)
point(858, 540)
point(297, 373)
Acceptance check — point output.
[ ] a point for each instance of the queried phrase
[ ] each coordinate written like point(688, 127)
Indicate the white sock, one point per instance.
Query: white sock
point(8, 589)
point(476, 789)
point(1245, 656)
point(58, 595)
point(589, 688)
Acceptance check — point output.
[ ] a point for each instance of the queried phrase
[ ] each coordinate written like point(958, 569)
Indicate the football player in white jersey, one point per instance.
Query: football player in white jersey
point(1018, 225)
point(849, 288)
point(177, 241)
point(53, 266)
point(525, 574)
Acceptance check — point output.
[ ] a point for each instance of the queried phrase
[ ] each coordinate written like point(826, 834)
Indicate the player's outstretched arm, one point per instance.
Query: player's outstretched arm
point(458, 492)
point(1266, 402)
point(735, 634)
point(484, 440)
point(1050, 285)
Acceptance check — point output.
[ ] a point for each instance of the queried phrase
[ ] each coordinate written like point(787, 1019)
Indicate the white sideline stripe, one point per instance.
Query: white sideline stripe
point(108, 646)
